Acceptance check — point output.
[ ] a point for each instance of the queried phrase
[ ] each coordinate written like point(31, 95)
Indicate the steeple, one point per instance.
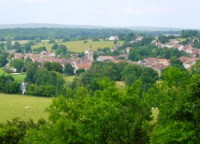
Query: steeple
point(90, 53)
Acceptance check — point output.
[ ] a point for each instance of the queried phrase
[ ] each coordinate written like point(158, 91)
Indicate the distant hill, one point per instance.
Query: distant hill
point(38, 25)
point(145, 28)
point(43, 25)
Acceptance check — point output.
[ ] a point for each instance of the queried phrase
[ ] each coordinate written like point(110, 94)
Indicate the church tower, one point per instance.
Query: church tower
point(90, 53)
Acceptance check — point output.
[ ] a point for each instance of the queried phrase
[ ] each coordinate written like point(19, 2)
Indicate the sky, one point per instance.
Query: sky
point(112, 13)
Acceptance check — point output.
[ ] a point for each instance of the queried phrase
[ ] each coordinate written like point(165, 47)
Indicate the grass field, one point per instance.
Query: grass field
point(19, 77)
point(79, 46)
point(26, 107)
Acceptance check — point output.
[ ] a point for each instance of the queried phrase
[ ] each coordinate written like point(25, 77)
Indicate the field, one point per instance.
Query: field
point(26, 107)
point(79, 46)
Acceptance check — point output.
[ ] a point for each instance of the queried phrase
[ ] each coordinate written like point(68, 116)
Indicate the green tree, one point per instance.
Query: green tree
point(54, 46)
point(61, 50)
point(68, 69)
point(53, 66)
point(17, 46)
point(196, 67)
point(66, 39)
point(18, 64)
point(2, 45)
point(8, 43)
point(3, 59)
point(175, 62)
point(27, 46)
point(107, 117)
point(31, 69)
point(13, 132)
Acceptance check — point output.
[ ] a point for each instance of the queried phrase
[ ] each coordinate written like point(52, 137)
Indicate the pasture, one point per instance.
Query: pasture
point(79, 46)
point(26, 107)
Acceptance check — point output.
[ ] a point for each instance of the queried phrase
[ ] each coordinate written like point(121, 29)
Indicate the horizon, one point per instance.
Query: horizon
point(57, 25)
point(110, 13)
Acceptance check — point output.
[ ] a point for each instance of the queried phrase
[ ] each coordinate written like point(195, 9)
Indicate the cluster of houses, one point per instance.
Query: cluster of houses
point(86, 61)
point(44, 56)
point(155, 63)
point(189, 49)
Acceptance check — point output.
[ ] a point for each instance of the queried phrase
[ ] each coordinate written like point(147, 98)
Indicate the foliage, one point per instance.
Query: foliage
point(68, 69)
point(8, 85)
point(61, 50)
point(177, 100)
point(17, 46)
point(107, 117)
point(41, 90)
point(139, 53)
point(175, 62)
point(13, 132)
point(45, 83)
point(40, 49)
point(53, 66)
point(196, 67)
point(189, 33)
point(32, 68)
point(3, 58)
point(58, 33)
point(18, 64)
point(132, 73)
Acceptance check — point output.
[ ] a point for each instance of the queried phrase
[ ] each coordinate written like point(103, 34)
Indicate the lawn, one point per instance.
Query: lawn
point(17, 76)
point(80, 46)
point(26, 107)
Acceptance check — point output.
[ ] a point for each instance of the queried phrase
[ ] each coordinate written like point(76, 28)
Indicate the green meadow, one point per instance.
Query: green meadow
point(79, 46)
point(25, 107)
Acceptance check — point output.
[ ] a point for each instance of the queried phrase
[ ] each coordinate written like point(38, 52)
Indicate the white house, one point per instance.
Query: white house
point(113, 38)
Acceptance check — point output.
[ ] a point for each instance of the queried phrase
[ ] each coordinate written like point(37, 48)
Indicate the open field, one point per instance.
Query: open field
point(26, 107)
point(80, 46)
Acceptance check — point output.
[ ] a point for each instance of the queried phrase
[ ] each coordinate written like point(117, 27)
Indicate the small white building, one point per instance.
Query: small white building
point(113, 38)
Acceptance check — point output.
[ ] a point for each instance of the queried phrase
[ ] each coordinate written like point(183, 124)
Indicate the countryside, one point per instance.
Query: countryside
point(91, 72)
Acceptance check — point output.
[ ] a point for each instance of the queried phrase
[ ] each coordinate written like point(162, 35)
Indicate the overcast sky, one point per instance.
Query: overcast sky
point(164, 13)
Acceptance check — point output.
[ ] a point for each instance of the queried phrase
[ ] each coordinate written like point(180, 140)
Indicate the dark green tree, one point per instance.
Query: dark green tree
point(68, 69)
point(18, 64)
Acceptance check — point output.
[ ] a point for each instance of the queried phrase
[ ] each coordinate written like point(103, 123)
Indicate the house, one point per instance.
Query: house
point(113, 38)
point(188, 49)
point(105, 58)
point(139, 38)
point(156, 64)
point(17, 55)
point(84, 66)
point(187, 61)
point(48, 54)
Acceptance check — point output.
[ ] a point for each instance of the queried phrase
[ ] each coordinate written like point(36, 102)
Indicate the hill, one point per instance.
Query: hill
point(43, 25)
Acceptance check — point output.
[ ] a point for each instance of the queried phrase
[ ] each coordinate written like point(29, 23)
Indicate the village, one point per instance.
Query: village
point(158, 64)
